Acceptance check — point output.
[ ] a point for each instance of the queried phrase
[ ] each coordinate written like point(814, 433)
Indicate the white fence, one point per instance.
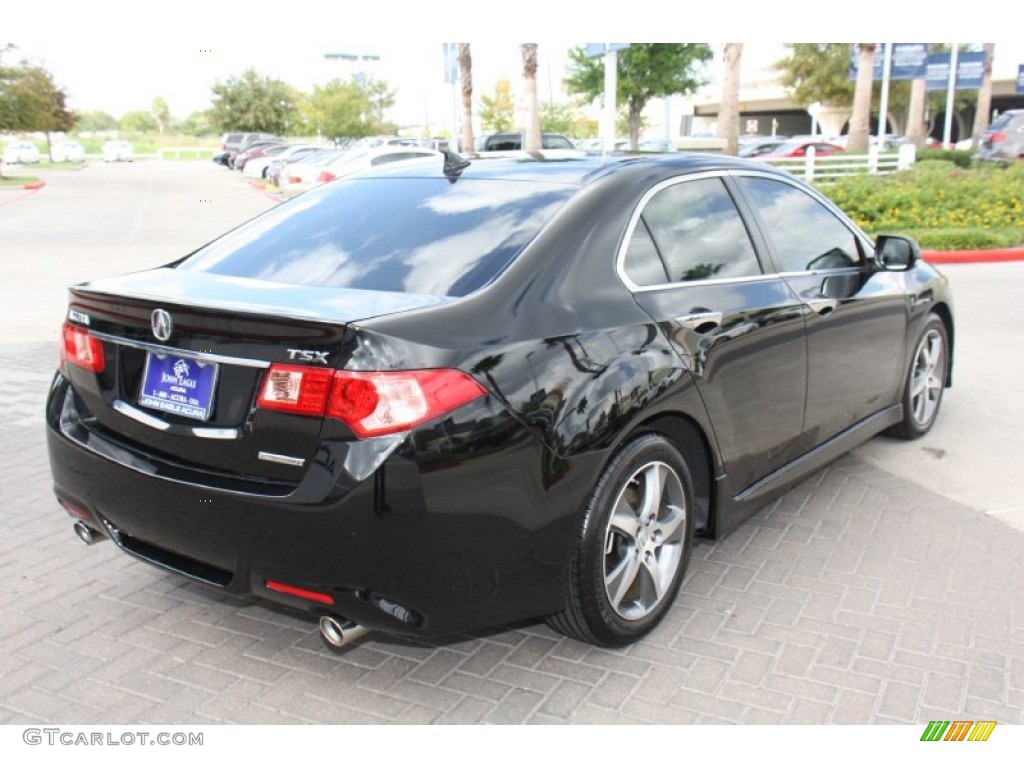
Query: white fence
point(178, 153)
point(826, 167)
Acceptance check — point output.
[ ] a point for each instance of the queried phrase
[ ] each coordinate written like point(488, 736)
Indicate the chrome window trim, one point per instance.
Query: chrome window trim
point(206, 357)
point(620, 259)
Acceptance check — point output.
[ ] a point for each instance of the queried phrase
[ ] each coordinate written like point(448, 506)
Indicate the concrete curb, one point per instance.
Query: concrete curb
point(990, 256)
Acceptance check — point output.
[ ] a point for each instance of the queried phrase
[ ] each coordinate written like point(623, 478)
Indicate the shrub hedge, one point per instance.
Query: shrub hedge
point(944, 206)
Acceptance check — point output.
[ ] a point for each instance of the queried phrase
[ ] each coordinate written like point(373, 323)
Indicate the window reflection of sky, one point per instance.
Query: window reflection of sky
point(424, 236)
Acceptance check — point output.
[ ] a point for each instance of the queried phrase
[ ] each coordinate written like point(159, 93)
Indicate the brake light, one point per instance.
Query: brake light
point(295, 389)
point(82, 349)
point(381, 403)
point(370, 403)
point(995, 137)
point(294, 179)
point(326, 176)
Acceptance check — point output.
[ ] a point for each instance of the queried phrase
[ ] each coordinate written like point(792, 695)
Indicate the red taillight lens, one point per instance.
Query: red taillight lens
point(295, 389)
point(997, 137)
point(294, 179)
point(82, 349)
point(326, 176)
point(381, 403)
point(370, 403)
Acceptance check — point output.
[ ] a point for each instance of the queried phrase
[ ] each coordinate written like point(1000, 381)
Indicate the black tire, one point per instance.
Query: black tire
point(641, 559)
point(926, 380)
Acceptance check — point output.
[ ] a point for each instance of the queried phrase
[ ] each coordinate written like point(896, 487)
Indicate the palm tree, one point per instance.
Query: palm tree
point(981, 114)
point(916, 128)
point(861, 121)
point(466, 84)
point(729, 111)
point(531, 141)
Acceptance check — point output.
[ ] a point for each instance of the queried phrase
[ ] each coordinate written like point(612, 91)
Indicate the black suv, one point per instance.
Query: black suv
point(1003, 141)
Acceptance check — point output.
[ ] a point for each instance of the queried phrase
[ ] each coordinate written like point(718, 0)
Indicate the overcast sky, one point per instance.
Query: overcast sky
point(119, 56)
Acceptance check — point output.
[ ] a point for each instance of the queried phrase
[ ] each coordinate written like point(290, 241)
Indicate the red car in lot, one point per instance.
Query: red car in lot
point(799, 149)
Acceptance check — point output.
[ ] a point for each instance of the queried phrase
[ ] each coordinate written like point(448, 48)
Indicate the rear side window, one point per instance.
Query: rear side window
point(695, 231)
point(405, 235)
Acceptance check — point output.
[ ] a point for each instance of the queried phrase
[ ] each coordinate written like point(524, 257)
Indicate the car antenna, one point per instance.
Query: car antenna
point(454, 164)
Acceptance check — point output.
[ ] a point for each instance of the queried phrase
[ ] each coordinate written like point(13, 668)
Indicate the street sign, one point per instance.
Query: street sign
point(593, 50)
point(909, 61)
point(451, 62)
point(970, 70)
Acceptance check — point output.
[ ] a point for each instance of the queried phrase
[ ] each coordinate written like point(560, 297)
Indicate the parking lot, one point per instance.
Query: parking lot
point(886, 589)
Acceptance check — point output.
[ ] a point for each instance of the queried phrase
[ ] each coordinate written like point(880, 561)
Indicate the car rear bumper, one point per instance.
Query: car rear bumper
point(427, 541)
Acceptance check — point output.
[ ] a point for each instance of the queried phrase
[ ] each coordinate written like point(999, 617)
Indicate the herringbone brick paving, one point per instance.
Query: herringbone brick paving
point(856, 598)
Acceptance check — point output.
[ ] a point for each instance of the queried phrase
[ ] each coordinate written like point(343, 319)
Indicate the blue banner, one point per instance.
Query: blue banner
point(1020, 78)
point(909, 61)
point(970, 70)
point(451, 62)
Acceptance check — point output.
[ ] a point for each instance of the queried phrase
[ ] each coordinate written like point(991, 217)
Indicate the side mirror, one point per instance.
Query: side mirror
point(896, 253)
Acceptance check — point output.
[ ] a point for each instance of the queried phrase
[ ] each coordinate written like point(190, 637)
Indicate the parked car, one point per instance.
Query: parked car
point(302, 174)
point(117, 151)
point(512, 141)
point(256, 149)
point(759, 146)
point(443, 394)
point(797, 148)
point(68, 152)
point(21, 152)
point(1003, 140)
point(353, 162)
point(256, 167)
point(280, 163)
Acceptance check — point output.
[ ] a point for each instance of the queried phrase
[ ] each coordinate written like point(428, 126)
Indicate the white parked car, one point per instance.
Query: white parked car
point(117, 151)
point(21, 152)
point(356, 161)
point(256, 168)
point(67, 152)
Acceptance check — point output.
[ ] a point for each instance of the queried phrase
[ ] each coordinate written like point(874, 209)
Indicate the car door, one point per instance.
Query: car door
point(858, 313)
point(692, 266)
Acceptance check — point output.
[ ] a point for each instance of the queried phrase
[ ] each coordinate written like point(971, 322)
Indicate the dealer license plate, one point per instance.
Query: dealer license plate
point(180, 385)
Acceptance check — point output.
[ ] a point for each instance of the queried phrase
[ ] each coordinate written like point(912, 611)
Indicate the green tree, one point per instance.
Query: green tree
point(645, 71)
point(338, 109)
point(138, 121)
point(161, 113)
point(97, 121)
point(253, 102)
point(197, 124)
point(31, 101)
point(496, 111)
point(817, 72)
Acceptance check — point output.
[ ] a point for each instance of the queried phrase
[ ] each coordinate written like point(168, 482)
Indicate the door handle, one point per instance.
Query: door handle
point(822, 306)
point(700, 322)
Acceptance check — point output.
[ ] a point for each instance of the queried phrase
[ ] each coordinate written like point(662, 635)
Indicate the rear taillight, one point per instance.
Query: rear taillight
point(370, 403)
point(82, 349)
point(325, 176)
point(294, 179)
point(295, 389)
point(394, 401)
point(996, 137)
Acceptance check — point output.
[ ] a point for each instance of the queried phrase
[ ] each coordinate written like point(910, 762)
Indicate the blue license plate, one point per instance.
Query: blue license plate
point(180, 385)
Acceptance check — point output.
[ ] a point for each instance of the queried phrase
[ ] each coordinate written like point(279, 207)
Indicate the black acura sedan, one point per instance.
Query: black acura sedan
point(448, 395)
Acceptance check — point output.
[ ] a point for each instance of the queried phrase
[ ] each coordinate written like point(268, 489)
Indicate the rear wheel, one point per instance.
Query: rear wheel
point(926, 380)
point(632, 547)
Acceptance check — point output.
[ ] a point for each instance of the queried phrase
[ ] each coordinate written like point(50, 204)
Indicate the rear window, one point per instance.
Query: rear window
point(405, 235)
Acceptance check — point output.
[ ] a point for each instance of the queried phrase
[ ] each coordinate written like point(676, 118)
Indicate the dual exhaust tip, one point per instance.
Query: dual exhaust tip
point(336, 633)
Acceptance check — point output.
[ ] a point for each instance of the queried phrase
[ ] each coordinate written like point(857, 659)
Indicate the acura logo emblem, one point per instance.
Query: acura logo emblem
point(162, 324)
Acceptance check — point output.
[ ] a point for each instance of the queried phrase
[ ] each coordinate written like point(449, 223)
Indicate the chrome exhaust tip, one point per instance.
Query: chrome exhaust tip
point(338, 633)
point(88, 535)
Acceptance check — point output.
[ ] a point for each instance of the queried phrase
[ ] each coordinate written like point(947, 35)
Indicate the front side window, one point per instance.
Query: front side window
point(803, 233)
point(690, 231)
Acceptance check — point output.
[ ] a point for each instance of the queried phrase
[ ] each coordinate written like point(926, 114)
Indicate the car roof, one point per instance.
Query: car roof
point(567, 170)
